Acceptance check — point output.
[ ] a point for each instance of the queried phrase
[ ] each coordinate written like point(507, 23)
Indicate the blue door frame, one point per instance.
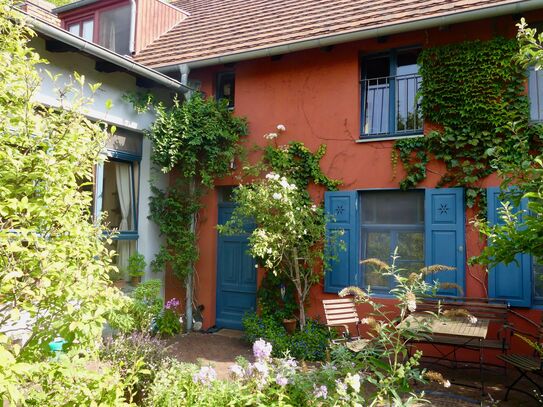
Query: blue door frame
point(236, 276)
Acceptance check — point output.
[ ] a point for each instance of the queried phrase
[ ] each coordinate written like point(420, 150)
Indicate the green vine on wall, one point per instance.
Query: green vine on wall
point(296, 162)
point(474, 93)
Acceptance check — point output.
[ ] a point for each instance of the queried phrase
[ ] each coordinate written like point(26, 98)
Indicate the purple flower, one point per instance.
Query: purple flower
point(205, 376)
point(281, 380)
point(172, 303)
point(261, 368)
point(262, 350)
point(320, 392)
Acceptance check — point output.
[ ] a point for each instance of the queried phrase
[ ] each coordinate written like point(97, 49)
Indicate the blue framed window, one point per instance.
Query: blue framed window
point(535, 93)
point(389, 86)
point(117, 192)
point(225, 87)
point(391, 219)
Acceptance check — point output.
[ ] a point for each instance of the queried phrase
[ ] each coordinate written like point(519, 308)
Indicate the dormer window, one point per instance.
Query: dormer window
point(85, 29)
point(107, 26)
point(114, 32)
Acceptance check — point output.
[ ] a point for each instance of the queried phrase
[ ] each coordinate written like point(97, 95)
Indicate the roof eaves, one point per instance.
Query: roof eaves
point(360, 34)
point(103, 53)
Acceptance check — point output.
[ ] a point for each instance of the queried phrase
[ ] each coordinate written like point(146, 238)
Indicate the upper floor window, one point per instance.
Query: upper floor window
point(535, 92)
point(225, 87)
point(109, 27)
point(390, 83)
point(85, 29)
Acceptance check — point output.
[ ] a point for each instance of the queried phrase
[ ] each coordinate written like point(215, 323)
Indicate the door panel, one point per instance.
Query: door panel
point(236, 276)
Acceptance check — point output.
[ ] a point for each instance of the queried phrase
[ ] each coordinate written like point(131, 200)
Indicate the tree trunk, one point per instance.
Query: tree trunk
point(298, 285)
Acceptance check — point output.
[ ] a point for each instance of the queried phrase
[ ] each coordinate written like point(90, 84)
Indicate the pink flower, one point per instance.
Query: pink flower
point(262, 349)
point(173, 303)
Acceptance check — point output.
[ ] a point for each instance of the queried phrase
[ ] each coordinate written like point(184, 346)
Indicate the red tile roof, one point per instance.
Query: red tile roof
point(218, 28)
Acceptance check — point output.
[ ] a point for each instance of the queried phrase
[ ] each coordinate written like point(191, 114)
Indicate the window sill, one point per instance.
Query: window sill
point(369, 139)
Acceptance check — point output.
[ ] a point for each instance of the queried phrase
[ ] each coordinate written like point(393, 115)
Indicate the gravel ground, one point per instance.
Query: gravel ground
point(221, 349)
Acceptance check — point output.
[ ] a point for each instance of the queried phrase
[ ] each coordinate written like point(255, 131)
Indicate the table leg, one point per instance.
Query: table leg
point(481, 367)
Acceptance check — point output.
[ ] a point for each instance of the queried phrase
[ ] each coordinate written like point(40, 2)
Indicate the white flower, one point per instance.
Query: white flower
point(277, 195)
point(270, 136)
point(472, 319)
point(365, 321)
point(353, 381)
point(446, 384)
point(411, 301)
point(284, 183)
point(281, 127)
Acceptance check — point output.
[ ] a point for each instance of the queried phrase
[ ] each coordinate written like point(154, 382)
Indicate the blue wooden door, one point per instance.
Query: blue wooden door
point(236, 276)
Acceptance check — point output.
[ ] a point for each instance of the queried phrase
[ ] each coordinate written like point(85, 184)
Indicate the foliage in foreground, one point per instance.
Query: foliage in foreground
point(54, 263)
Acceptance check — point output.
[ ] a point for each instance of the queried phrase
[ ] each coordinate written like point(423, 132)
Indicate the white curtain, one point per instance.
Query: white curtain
point(107, 33)
point(123, 176)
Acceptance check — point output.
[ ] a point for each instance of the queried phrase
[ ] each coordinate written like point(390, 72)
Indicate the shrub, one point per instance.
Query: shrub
point(168, 322)
point(74, 382)
point(308, 344)
point(137, 349)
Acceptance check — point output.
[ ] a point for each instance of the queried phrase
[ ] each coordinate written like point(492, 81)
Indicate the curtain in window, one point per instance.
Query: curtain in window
point(124, 190)
point(107, 33)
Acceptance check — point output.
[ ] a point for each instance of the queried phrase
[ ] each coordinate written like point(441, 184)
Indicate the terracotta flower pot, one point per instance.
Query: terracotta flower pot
point(135, 280)
point(290, 325)
point(119, 284)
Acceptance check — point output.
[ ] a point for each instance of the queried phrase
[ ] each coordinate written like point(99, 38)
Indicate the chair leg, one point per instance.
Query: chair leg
point(510, 387)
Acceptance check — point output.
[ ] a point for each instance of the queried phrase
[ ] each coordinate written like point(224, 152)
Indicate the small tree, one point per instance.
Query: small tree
point(289, 234)
point(53, 261)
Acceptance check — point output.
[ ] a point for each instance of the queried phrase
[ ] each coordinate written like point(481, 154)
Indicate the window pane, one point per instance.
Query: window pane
point(408, 116)
point(74, 29)
point(538, 278)
point(115, 29)
point(393, 207)
point(117, 195)
point(88, 30)
point(375, 87)
point(411, 245)
point(535, 91)
point(226, 87)
point(377, 246)
point(125, 141)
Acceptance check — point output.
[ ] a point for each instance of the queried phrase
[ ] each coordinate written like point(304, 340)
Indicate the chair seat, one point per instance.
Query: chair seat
point(523, 362)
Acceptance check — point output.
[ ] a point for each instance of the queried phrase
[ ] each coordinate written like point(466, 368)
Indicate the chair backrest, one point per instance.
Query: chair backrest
point(341, 311)
point(495, 310)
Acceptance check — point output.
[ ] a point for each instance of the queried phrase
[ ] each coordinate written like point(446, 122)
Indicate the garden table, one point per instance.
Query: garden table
point(466, 332)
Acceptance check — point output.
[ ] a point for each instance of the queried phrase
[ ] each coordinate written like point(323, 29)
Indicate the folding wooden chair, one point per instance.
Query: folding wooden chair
point(340, 313)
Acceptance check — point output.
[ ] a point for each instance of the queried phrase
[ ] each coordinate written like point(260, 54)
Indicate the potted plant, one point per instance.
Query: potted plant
point(136, 267)
point(117, 279)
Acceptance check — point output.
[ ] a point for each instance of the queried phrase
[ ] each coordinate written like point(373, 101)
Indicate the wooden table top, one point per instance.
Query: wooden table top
point(449, 326)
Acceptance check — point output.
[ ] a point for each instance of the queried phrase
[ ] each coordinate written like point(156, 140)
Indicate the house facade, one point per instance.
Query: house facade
point(344, 74)
point(122, 182)
point(341, 73)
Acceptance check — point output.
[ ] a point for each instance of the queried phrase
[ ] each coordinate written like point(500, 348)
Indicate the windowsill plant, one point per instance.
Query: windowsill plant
point(136, 268)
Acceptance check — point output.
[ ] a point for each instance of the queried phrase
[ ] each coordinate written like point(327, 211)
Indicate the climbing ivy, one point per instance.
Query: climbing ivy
point(473, 93)
point(299, 164)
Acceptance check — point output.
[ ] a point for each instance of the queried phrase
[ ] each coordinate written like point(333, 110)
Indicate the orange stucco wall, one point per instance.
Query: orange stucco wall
point(315, 94)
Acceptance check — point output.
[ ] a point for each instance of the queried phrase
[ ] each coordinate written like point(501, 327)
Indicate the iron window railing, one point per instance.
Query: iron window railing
point(390, 105)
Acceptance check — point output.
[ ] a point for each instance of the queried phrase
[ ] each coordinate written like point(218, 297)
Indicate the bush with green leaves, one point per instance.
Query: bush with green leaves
point(137, 349)
point(307, 344)
point(54, 263)
point(136, 265)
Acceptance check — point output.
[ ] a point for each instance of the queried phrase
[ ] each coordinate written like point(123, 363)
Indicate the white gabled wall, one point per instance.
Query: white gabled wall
point(113, 87)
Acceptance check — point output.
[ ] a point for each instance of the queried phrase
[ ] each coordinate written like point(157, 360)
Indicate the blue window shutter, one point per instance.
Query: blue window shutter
point(512, 282)
point(342, 207)
point(445, 235)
